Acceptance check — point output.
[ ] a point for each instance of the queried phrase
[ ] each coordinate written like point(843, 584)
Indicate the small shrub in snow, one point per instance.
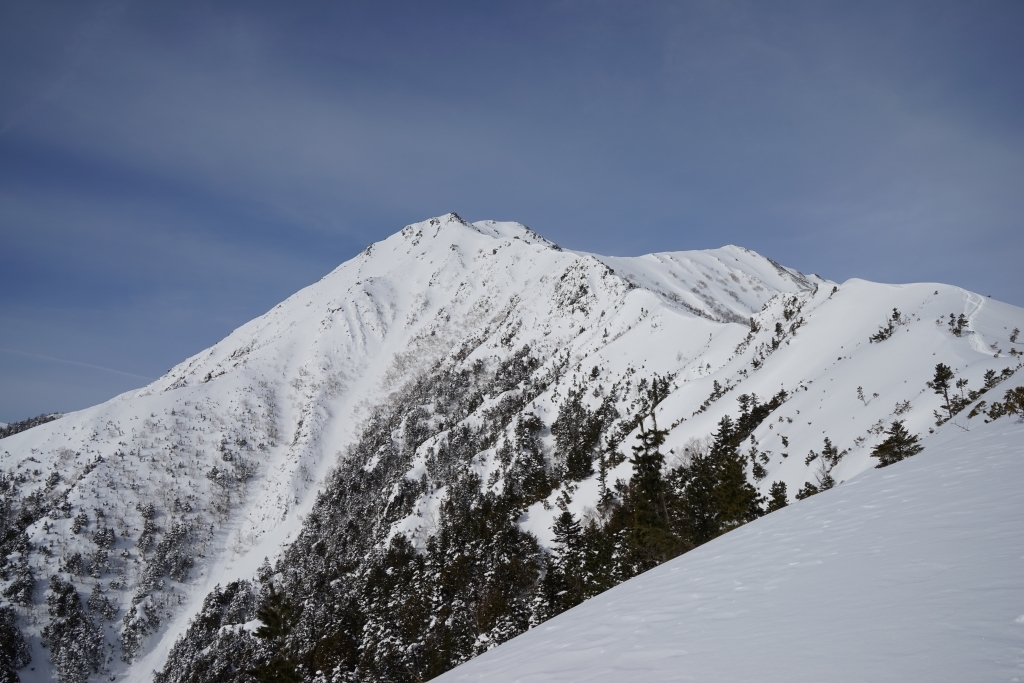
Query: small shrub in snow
point(889, 328)
point(957, 324)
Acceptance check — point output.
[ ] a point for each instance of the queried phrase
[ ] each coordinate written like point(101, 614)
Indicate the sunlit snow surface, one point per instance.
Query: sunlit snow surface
point(910, 573)
point(287, 392)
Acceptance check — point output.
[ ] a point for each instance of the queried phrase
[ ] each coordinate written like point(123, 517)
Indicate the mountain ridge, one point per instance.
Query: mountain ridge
point(231, 445)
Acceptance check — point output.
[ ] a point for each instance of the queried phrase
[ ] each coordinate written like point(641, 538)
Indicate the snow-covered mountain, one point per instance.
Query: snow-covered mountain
point(443, 357)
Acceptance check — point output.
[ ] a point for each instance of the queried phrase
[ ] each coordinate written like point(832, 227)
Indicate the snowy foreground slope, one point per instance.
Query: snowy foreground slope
point(219, 464)
point(910, 573)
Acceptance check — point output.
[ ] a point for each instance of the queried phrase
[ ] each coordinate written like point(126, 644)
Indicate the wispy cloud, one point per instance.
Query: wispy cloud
point(215, 158)
point(51, 359)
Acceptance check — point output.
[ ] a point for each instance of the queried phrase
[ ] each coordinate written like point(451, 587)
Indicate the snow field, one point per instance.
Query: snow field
point(910, 573)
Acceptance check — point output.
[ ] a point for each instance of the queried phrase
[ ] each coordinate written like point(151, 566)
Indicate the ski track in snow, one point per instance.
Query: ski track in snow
point(287, 391)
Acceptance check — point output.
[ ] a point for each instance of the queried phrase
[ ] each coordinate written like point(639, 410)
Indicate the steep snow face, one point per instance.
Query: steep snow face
point(229, 446)
point(909, 573)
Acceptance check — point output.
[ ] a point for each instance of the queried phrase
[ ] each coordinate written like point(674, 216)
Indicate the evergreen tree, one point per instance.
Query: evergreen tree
point(277, 670)
point(647, 500)
point(74, 639)
point(648, 485)
point(753, 413)
point(714, 494)
point(777, 496)
point(890, 327)
point(605, 498)
point(569, 561)
point(941, 384)
point(696, 484)
point(1013, 404)
point(528, 475)
point(577, 432)
point(14, 652)
point(898, 445)
point(756, 468)
point(567, 532)
point(1013, 401)
point(736, 499)
point(830, 454)
point(275, 615)
point(807, 491)
point(547, 601)
point(957, 324)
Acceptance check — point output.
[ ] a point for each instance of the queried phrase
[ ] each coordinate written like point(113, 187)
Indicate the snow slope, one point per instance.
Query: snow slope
point(910, 573)
point(234, 441)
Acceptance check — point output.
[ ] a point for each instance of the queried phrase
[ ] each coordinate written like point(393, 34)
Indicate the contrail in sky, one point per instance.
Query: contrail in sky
point(75, 362)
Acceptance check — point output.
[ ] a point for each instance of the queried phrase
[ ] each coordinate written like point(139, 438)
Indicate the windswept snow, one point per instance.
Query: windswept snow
point(910, 573)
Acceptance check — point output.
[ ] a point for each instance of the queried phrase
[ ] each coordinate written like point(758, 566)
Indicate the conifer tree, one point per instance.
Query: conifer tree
point(941, 384)
point(74, 639)
point(528, 476)
point(777, 496)
point(14, 652)
point(647, 499)
point(697, 503)
point(807, 491)
point(830, 454)
point(715, 495)
point(275, 614)
point(577, 432)
point(604, 494)
point(737, 500)
point(957, 324)
point(569, 560)
point(899, 444)
point(1013, 404)
point(550, 590)
point(1013, 401)
point(647, 463)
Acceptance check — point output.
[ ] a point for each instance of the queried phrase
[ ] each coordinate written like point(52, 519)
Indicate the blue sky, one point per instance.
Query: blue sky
point(169, 170)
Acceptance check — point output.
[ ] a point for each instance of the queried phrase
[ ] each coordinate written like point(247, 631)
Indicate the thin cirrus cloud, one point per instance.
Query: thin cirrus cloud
point(170, 170)
point(51, 359)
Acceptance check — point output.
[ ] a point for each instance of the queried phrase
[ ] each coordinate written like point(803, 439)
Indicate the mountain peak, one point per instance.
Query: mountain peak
point(452, 228)
point(436, 361)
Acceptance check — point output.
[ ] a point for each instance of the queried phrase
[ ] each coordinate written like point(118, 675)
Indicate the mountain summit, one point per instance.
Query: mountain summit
point(454, 436)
